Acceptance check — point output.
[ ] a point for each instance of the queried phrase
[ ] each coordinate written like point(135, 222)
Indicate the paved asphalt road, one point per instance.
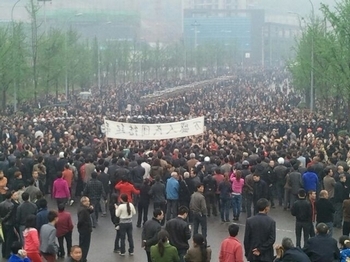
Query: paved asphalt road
point(102, 240)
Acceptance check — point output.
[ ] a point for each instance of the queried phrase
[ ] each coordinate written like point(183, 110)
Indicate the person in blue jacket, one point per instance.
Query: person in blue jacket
point(17, 253)
point(310, 180)
point(344, 242)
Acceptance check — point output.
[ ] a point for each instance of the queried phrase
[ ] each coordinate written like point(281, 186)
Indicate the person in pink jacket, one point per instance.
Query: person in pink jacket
point(60, 190)
point(31, 239)
point(237, 186)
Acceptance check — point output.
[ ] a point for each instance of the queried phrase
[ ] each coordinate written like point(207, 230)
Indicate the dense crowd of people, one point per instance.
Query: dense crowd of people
point(259, 151)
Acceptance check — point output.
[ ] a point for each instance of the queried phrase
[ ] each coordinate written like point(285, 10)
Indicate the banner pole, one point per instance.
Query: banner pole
point(104, 122)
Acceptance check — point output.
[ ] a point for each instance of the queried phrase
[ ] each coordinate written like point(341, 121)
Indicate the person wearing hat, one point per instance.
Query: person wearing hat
point(301, 209)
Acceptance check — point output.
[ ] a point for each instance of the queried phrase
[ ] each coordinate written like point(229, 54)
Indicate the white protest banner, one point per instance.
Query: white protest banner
point(131, 131)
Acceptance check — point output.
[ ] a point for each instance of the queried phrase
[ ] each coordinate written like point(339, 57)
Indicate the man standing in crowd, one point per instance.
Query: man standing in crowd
point(94, 191)
point(302, 211)
point(32, 190)
point(260, 190)
point(341, 192)
point(260, 234)
point(150, 231)
point(198, 208)
point(329, 183)
point(322, 247)
point(231, 249)
point(48, 246)
point(23, 211)
point(280, 172)
point(248, 195)
point(64, 228)
point(41, 216)
point(158, 194)
point(210, 188)
point(104, 179)
point(295, 184)
point(312, 200)
point(68, 176)
point(172, 195)
point(310, 180)
point(179, 232)
point(85, 226)
point(6, 210)
point(325, 211)
point(346, 216)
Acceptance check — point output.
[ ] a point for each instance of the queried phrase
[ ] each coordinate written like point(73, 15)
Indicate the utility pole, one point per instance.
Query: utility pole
point(312, 95)
point(14, 60)
point(195, 26)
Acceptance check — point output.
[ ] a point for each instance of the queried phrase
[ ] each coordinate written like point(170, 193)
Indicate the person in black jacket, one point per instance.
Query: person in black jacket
point(325, 211)
point(260, 190)
point(137, 174)
point(179, 232)
point(115, 220)
point(143, 203)
point(260, 234)
point(85, 226)
point(184, 192)
point(210, 187)
point(288, 253)
point(341, 192)
point(150, 231)
point(303, 213)
point(322, 247)
point(157, 192)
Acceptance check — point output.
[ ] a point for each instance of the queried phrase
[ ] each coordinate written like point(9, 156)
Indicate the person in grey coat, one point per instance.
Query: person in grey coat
point(48, 245)
point(294, 183)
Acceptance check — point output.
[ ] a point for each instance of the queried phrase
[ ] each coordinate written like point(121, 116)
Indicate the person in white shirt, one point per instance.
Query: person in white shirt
point(147, 168)
point(125, 211)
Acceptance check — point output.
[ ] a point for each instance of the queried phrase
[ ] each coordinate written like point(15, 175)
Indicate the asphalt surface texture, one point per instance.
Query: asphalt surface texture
point(102, 239)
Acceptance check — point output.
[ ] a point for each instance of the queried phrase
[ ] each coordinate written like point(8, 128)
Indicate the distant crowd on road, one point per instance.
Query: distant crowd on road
point(259, 151)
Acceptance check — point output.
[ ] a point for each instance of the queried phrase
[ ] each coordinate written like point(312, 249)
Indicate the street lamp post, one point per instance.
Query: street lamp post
point(14, 67)
point(312, 100)
point(195, 25)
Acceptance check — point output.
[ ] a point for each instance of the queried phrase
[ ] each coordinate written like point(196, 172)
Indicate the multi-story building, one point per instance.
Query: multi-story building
point(216, 4)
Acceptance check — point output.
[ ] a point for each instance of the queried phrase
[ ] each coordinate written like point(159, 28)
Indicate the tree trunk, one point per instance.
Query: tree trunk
point(4, 93)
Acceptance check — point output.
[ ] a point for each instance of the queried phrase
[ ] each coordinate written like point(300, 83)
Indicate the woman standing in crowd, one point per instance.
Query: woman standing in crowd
point(199, 252)
point(60, 190)
point(125, 211)
point(31, 239)
point(225, 198)
point(163, 251)
point(237, 186)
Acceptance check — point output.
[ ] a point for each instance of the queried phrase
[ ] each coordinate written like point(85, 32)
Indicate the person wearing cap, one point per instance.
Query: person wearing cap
point(301, 209)
point(281, 173)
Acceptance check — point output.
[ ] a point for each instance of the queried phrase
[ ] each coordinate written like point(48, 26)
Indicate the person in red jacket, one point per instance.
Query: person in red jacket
point(231, 249)
point(64, 227)
point(31, 239)
point(125, 187)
